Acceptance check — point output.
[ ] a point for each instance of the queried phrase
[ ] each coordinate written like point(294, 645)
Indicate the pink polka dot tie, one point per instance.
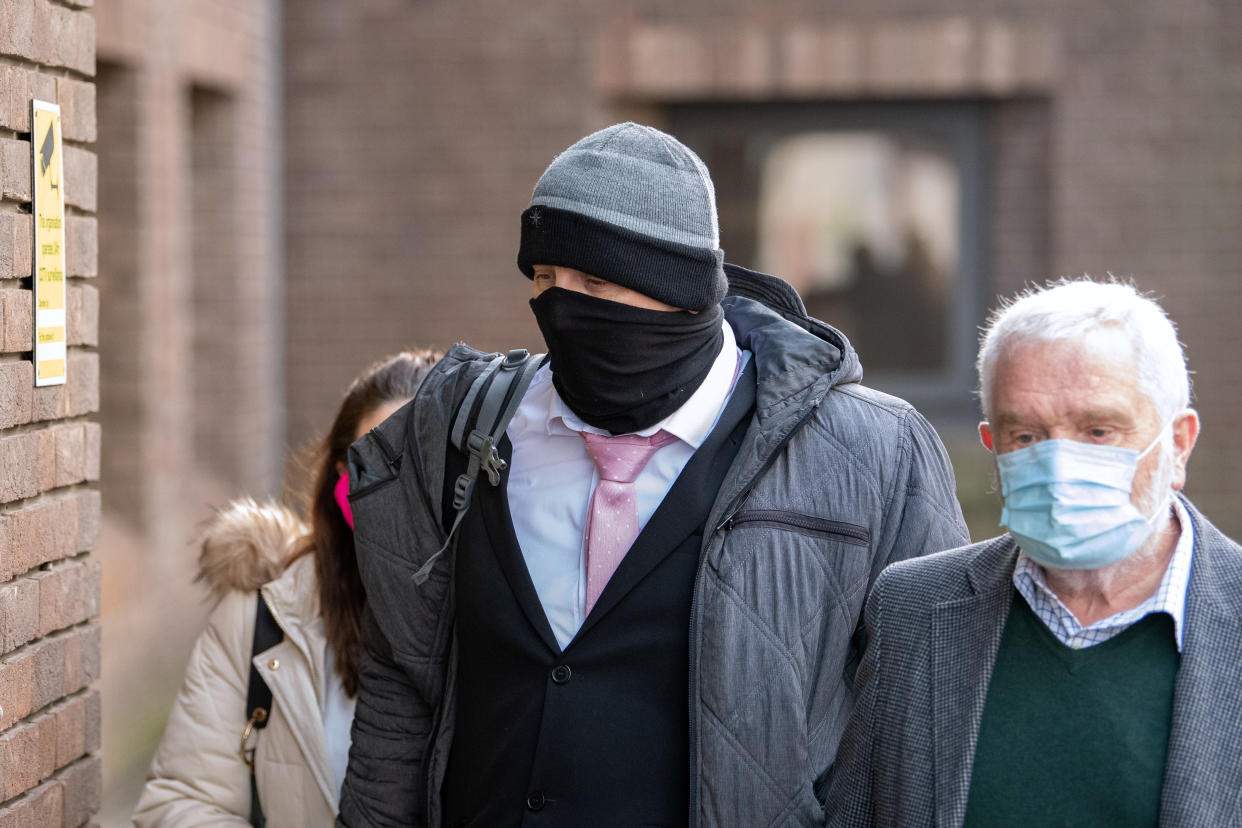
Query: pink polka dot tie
point(612, 518)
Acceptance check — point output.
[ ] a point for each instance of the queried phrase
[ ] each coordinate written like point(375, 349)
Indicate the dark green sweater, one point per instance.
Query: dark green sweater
point(1074, 737)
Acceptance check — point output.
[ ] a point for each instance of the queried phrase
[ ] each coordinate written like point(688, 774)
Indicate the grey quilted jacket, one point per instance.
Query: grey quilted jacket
point(833, 482)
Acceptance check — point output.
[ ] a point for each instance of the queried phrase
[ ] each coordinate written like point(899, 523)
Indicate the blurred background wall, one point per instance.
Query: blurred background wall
point(289, 191)
point(192, 395)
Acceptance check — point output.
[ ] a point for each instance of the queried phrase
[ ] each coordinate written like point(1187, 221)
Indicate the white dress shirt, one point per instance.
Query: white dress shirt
point(551, 478)
point(1169, 597)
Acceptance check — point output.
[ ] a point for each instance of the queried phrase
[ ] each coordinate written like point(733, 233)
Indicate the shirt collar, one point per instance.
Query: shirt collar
point(691, 423)
point(1169, 597)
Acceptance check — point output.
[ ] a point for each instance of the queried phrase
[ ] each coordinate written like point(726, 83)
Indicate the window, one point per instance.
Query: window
point(874, 212)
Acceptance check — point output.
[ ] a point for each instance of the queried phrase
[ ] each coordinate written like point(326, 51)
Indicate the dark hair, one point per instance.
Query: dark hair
point(331, 541)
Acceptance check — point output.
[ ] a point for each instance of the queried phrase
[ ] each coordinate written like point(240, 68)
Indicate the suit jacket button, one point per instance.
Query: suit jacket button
point(561, 674)
point(536, 801)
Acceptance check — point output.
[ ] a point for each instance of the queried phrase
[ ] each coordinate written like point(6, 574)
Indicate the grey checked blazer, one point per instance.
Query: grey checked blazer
point(935, 626)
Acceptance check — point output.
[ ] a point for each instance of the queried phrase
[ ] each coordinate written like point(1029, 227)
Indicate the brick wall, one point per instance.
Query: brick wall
point(49, 441)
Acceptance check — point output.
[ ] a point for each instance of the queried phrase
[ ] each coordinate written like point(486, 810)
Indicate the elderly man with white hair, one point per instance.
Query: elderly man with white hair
point(1085, 668)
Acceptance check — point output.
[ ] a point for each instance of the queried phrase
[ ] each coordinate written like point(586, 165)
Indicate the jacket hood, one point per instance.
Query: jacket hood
point(799, 358)
point(246, 545)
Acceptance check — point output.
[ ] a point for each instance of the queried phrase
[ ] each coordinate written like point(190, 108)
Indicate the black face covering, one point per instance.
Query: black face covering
point(622, 368)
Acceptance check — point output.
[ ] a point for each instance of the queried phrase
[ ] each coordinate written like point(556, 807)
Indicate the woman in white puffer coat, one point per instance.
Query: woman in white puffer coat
point(200, 774)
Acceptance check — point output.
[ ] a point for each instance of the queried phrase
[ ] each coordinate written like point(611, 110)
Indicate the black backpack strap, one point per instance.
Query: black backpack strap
point(478, 425)
point(267, 634)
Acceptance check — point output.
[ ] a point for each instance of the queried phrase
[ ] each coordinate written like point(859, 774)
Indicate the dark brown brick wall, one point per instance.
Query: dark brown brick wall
point(49, 440)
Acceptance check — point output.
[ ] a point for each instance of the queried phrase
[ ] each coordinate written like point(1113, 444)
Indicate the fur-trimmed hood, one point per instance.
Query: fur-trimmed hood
point(247, 544)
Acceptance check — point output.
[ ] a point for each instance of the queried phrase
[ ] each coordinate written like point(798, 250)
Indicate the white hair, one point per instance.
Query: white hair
point(1071, 309)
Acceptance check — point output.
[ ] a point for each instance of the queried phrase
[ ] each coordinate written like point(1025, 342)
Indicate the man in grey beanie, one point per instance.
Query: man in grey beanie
point(653, 617)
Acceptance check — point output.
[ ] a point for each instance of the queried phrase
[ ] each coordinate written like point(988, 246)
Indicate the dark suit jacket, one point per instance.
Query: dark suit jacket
point(935, 626)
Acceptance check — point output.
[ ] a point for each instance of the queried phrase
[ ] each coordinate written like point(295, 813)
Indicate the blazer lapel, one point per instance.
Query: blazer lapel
point(1203, 771)
point(686, 505)
point(966, 635)
point(498, 523)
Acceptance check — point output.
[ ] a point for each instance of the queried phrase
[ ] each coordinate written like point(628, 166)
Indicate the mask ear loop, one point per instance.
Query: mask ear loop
point(1164, 505)
point(1156, 440)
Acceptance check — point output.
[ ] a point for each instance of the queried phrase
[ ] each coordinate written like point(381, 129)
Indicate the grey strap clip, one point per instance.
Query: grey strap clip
point(506, 379)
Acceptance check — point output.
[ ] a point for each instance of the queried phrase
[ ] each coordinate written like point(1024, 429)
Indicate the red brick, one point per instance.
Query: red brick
point(48, 611)
point(70, 731)
point(8, 552)
point(16, 319)
point(45, 530)
point(27, 755)
point(83, 383)
point(51, 402)
point(19, 466)
point(58, 37)
point(19, 613)
point(23, 247)
point(15, 169)
point(41, 87)
point(72, 594)
point(91, 637)
point(82, 246)
point(87, 519)
point(93, 720)
point(17, 686)
point(17, 28)
point(13, 107)
point(92, 450)
point(57, 668)
point(8, 244)
point(41, 808)
point(46, 471)
point(83, 315)
point(92, 590)
point(77, 109)
point(84, 43)
point(16, 245)
point(70, 448)
point(16, 392)
point(61, 596)
point(63, 663)
point(81, 178)
point(82, 783)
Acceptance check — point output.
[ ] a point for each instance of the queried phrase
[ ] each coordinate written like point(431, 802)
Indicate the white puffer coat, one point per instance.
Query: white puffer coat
point(197, 776)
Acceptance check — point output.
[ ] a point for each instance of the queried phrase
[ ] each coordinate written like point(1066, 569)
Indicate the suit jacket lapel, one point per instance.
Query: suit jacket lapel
point(686, 505)
point(966, 635)
point(498, 523)
point(1203, 771)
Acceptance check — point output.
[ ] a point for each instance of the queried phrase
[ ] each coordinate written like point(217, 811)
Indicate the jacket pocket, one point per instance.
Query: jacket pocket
point(817, 527)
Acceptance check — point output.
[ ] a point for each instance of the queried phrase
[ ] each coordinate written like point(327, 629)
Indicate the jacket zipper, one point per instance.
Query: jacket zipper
point(693, 694)
point(849, 532)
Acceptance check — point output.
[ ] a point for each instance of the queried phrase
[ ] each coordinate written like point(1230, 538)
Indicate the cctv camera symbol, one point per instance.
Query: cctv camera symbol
point(45, 152)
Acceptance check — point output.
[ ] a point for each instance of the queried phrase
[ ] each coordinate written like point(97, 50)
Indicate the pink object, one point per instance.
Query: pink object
point(341, 493)
point(612, 517)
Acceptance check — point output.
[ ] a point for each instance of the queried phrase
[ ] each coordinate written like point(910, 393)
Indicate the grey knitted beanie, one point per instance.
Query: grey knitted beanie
point(632, 205)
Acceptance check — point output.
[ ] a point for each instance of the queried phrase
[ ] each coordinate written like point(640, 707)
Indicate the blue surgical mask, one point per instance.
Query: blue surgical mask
point(1068, 503)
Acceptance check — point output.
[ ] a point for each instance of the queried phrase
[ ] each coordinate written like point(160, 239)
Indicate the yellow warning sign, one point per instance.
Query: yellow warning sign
point(49, 244)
